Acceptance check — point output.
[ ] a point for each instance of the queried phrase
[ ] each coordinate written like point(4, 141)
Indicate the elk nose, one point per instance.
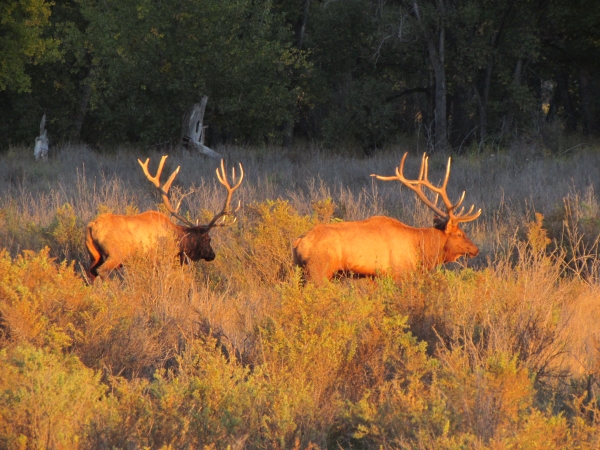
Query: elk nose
point(210, 256)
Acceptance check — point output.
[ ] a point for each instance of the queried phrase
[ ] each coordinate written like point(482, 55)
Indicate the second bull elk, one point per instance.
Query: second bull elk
point(382, 245)
point(111, 238)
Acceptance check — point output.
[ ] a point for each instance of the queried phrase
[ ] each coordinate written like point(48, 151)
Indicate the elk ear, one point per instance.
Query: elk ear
point(440, 223)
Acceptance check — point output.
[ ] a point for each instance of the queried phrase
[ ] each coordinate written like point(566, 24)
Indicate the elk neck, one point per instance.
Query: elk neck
point(432, 247)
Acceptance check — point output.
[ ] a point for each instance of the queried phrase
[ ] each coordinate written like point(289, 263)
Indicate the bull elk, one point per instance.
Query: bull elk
point(382, 245)
point(112, 238)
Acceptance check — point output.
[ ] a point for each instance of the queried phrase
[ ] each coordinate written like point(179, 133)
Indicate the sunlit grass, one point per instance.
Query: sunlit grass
point(239, 352)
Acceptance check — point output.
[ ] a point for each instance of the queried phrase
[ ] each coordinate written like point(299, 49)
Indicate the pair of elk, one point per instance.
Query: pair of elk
point(382, 245)
point(111, 239)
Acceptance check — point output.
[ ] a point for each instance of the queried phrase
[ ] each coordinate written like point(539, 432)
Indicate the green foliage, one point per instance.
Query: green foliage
point(263, 243)
point(42, 303)
point(366, 113)
point(46, 399)
point(65, 233)
point(113, 71)
point(22, 26)
point(162, 60)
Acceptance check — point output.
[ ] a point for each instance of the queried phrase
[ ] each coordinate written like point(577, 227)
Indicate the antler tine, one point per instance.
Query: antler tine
point(167, 185)
point(222, 177)
point(461, 216)
point(468, 217)
point(191, 191)
point(147, 173)
point(469, 211)
point(164, 190)
point(424, 173)
point(461, 199)
point(462, 210)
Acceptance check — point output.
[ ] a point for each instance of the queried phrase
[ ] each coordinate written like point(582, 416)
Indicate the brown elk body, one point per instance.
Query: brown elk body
point(382, 245)
point(111, 239)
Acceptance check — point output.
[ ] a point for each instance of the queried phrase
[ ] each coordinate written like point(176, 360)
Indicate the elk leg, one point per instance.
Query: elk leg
point(317, 272)
point(108, 266)
point(92, 271)
point(95, 255)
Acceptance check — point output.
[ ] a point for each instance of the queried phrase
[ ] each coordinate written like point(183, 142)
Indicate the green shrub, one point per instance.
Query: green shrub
point(65, 234)
point(46, 399)
point(42, 303)
point(259, 250)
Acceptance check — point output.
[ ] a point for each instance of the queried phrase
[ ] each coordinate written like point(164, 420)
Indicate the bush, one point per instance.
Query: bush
point(43, 304)
point(46, 399)
point(260, 249)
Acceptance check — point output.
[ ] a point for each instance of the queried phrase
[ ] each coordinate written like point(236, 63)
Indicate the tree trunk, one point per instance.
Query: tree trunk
point(483, 101)
point(484, 96)
point(301, 26)
point(462, 131)
point(441, 123)
point(507, 122)
point(563, 97)
point(86, 94)
point(85, 99)
point(587, 102)
point(41, 142)
point(436, 56)
point(192, 130)
point(299, 33)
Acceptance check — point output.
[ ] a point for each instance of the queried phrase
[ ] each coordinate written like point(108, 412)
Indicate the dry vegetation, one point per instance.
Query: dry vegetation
point(504, 353)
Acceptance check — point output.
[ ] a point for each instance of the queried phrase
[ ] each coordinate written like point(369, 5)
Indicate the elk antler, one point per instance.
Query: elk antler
point(164, 190)
point(222, 176)
point(423, 180)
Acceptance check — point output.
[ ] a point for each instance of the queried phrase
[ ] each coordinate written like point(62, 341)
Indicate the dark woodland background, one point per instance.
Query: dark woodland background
point(353, 73)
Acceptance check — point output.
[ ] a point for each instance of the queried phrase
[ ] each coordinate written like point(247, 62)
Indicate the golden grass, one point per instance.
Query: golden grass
point(238, 352)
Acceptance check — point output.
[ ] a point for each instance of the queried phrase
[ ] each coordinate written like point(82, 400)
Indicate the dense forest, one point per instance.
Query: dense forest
point(461, 74)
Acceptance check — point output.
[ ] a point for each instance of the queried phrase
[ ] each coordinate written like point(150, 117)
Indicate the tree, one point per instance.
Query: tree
point(22, 26)
point(571, 44)
point(156, 59)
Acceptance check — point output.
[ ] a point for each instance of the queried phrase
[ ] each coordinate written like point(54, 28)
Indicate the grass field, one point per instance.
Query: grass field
point(502, 351)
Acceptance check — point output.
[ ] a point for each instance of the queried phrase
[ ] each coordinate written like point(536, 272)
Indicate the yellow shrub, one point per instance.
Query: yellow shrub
point(46, 399)
point(65, 234)
point(42, 303)
point(337, 352)
point(259, 250)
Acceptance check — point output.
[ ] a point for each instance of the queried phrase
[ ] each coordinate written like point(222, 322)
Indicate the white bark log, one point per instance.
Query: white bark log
point(192, 133)
point(205, 150)
point(41, 142)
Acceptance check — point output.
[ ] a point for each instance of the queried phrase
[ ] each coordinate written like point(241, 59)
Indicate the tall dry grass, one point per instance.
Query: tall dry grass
point(500, 353)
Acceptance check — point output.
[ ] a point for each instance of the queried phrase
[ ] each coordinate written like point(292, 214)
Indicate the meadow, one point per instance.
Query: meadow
point(501, 351)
